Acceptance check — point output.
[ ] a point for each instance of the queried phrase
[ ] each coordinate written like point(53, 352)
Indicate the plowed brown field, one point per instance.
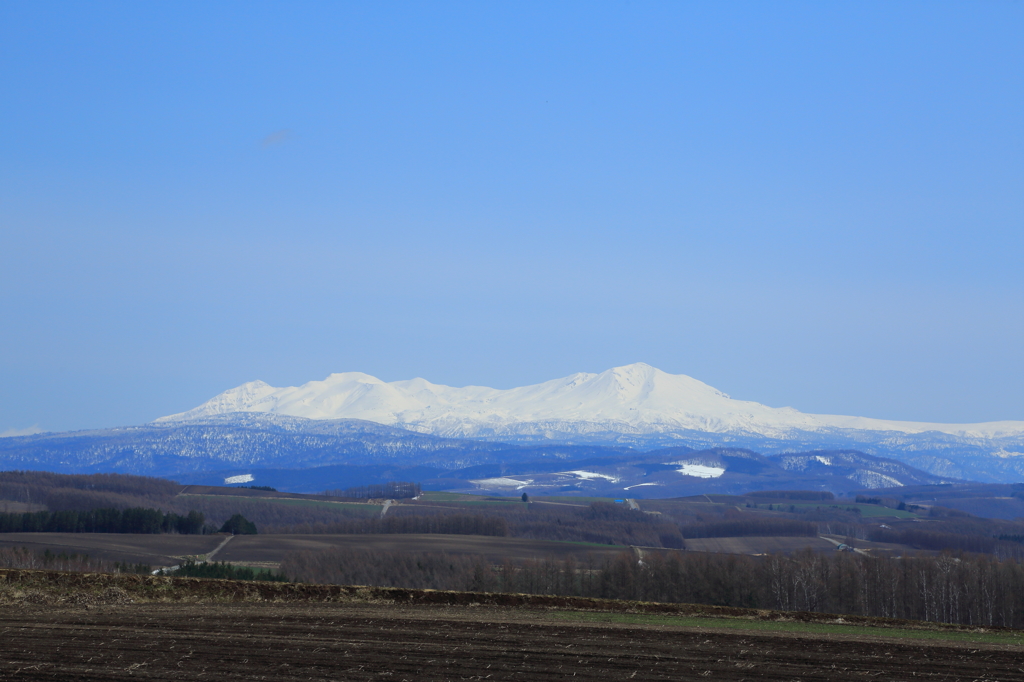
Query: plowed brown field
point(273, 548)
point(155, 549)
point(369, 642)
point(76, 626)
point(164, 549)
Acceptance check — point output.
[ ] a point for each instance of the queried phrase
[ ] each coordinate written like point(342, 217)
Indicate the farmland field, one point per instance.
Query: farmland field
point(270, 549)
point(316, 502)
point(164, 549)
point(758, 545)
point(155, 549)
point(365, 641)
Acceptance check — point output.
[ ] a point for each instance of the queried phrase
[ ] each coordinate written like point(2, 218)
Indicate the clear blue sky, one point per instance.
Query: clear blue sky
point(809, 204)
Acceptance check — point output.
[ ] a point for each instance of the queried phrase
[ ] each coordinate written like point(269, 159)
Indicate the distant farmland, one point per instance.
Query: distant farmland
point(264, 549)
point(756, 545)
point(158, 550)
point(167, 550)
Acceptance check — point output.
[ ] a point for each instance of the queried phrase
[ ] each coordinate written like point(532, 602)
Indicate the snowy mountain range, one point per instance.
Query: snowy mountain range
point(635, 405)
point(630, 427)
point(634, 399)
point(309, 455)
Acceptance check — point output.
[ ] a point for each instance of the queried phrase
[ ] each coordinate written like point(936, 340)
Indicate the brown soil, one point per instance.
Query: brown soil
point(758, 545)
point(163, 549)
point(157, 549)
point(95, 627)
point(366, 642)
point(273, 548)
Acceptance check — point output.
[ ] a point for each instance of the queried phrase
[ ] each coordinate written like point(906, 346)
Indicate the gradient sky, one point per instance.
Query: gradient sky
point(814, 204)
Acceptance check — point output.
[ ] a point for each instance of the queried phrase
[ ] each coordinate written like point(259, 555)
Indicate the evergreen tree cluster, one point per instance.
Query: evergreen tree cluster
point(238, 525)
point(225, 571)
point(134, 520)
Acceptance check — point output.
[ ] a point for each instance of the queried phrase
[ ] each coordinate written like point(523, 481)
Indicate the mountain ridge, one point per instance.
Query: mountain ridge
point(636, 398)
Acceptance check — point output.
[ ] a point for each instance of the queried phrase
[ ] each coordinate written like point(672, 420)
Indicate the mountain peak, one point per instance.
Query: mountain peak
point(635, 368)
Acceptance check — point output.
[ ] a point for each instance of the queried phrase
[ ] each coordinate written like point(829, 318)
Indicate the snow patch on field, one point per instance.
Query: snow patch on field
point(590, 474)
point(827, 461)
point(502, 483)
point(244, 478)
point(639, 485)
point(701, 471)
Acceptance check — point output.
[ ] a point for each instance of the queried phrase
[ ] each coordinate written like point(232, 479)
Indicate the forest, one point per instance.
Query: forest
point(131, 520)
point(947, 588)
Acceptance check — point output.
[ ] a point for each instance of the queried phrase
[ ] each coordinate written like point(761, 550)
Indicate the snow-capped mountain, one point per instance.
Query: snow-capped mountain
point(635, 406)
point(357, 420)
point(635, 399)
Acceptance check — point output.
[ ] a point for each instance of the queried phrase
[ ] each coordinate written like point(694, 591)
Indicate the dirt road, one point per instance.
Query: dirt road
point(218, 548)
point(368, 642)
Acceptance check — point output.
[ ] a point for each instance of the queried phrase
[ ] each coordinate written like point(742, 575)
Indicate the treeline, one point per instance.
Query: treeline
point(940, 541)
point(807, 495)
point(135, 520)
point(62, 492)
point(600, 522)
point(972, 590)
point(428, 570)
point(14, 484)
point(22, 557)
point(948, 588)
point(393, 490)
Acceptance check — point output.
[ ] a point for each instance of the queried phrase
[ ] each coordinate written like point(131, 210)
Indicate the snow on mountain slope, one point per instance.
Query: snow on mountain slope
point(635, 398)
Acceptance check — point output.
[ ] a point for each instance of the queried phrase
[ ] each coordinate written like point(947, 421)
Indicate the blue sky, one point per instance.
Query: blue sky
point(808, 204)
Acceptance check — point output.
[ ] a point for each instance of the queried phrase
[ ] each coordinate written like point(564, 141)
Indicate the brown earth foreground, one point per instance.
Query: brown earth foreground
point(96, 627)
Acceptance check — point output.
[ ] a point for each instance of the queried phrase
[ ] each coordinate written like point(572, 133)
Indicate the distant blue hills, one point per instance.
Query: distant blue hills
point(311, 455)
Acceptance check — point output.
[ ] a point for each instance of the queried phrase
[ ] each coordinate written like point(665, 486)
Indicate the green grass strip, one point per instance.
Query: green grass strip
point(1015, 638)
point(570, 499)
point(367, 509)
point(435, 496)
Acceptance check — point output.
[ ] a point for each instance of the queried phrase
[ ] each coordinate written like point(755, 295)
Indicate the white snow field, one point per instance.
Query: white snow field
point(700, 471)
point(502, 483)
point(586, 475)
point(637, 399)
